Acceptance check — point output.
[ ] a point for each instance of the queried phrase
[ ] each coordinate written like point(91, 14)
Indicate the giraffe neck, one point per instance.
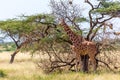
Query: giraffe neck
point(76, 39)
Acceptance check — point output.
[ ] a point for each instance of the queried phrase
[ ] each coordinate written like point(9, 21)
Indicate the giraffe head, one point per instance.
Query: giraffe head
point(62, 21)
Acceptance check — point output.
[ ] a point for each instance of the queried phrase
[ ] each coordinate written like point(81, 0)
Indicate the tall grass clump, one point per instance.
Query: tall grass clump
point(2, 73)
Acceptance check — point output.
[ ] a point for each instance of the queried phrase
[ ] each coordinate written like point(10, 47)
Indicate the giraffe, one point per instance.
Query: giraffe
point(80, 46)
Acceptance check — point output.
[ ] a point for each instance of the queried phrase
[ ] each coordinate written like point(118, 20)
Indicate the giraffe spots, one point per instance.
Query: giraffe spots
point(68, 31)
point(80, 45)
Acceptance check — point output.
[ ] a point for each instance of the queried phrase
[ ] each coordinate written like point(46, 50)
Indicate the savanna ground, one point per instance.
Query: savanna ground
point(25, 68)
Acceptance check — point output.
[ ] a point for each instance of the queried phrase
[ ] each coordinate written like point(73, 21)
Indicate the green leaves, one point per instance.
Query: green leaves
point(2, 73)
point(82, 19)
point(108, 7)
point(37, 18)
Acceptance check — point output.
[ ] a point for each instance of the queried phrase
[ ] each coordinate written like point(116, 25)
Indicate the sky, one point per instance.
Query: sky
point(14, 8)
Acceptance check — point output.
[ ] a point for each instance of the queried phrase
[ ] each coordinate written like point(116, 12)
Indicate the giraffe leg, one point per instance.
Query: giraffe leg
point(93, 61)
point(76, 65)
point(84, 61)
point(94, 64)
point(76, 57)
point(78, 62)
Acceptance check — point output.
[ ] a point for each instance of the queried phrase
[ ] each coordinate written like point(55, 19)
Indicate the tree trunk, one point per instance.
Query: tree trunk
point(13, 55)
point(85, 60)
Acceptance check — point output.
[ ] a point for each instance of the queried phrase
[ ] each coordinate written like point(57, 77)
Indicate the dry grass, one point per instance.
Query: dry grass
point(24, 68)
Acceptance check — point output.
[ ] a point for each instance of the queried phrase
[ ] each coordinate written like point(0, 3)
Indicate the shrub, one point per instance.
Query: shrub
point(2, 73)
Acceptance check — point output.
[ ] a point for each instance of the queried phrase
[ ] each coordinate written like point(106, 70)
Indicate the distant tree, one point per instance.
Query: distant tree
point(17, 30)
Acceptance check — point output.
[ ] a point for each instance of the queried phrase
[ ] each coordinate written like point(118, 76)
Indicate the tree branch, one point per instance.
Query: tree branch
point(106, 65)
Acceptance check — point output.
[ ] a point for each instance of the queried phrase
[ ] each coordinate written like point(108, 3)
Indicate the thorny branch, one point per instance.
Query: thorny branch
point(106, 65)
point(95, 22)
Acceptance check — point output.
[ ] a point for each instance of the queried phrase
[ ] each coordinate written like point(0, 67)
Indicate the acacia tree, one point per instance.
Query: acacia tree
point(53, 43)
point(28, 31)
point(17, 30)
point(99, 16)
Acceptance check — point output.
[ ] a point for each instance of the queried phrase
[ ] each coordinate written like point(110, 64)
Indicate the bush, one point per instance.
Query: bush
point(2, 73)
